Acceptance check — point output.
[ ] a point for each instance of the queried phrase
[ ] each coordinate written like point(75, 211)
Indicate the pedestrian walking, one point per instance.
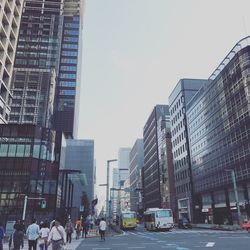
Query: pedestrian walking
point(85, 228)
point(57, 236)
point(43, 236)
point(18, 237)
point(102, 228)
point(32, 233)
point(69, 228)
point(22, 226)
point(1, 236)
point(78, 228)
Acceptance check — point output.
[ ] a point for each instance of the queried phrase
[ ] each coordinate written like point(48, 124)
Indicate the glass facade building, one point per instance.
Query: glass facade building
point(151, 167)
point(78, 155)
point(180, 96)
point(166, 163)
point(67, 77)
point(135, 167)
point(29, 165)
point(219, 132)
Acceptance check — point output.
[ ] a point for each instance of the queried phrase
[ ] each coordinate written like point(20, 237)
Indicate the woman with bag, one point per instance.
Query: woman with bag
point(57, 236)
point(69, 228)
point(43, 236)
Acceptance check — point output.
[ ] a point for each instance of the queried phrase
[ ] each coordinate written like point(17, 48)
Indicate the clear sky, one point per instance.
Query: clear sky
point(135, 51)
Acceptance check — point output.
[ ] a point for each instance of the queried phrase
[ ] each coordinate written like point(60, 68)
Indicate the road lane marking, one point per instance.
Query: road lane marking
point(101, 248)
point(210, 244)
point(234, 237)
point(120, 244)
point(147, 243)
point(135, 247)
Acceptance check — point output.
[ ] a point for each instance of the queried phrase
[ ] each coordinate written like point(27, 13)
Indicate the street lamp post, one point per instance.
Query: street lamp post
point(107, 190)
point(235, 193)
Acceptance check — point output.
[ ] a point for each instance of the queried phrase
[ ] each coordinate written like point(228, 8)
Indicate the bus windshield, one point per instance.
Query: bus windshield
point(163, 213)
point(128, 215)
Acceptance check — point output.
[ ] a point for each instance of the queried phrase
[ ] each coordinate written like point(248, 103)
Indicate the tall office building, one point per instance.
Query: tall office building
point(219, 131)
point(167, 184)
point(69, 75)
point(123, 164)
point(47, 72)
point(120, 175)
point(34, 77)
point(180, 96)
point(79, 155)
point(135, 167)
point(151, 168)
point(10, 16)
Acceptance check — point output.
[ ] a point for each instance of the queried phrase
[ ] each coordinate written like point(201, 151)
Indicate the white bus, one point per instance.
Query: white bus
point(158, 219)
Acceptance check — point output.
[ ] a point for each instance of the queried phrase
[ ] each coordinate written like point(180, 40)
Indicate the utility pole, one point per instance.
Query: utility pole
point(236, 195)
point(24, 206)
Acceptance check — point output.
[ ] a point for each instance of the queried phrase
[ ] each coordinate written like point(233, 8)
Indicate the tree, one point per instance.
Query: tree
point(85, 203)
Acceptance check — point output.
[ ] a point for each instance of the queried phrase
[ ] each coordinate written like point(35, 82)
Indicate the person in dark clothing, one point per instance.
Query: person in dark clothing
point(22, 226)
point(18, 237)
point(1, 236)
point(85, 228)
point(69, 229)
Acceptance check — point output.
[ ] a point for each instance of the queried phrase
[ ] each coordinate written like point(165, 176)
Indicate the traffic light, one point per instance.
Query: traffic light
point(43, 204)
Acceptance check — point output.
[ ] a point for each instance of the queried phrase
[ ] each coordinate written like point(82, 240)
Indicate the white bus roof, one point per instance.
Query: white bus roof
point(156, 209)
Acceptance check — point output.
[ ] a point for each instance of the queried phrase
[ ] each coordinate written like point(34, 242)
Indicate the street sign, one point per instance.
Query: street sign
point(43, 204)
point(81, 208)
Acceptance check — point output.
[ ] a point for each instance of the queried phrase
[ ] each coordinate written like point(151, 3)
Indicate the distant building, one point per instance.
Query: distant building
point(152, 195)
point(78, 155)
point(167, 183)
point(135, 167)
point(219, 130)
point(180, 96)
point(10, 14)
point(124, 197)
point(29, 165)
point(120, 175)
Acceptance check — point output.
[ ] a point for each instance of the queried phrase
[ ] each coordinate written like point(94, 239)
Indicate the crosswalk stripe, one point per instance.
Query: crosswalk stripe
point(210, 244)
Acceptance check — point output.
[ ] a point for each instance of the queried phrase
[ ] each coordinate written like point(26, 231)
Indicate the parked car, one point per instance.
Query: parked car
point(246, 226)
point(184, 223)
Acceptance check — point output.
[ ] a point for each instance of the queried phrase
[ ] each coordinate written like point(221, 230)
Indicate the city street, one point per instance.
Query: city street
point(177, 239)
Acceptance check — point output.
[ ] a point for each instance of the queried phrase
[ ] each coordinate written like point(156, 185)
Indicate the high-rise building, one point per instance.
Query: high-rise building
point(79, 155)
point(180, 96)
point(168, 198)
point(47, 72)
point(10, 16)
point(219, 130)
point(151, 167)
point(69, 76)
point(34, 77)
point(135, 168)
point(120, 175)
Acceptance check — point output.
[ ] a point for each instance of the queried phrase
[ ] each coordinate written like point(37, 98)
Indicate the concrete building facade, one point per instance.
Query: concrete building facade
point(10, 17)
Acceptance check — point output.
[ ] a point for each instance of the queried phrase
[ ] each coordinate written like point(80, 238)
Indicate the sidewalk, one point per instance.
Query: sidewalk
point(218, 227)
point(69, 246)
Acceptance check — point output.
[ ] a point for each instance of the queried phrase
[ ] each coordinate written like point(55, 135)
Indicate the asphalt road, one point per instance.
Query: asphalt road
point(178, 239)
